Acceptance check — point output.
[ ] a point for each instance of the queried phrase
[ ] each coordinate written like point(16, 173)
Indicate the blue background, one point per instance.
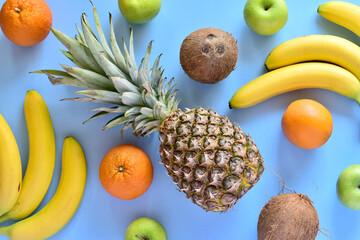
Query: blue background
point(101, 216)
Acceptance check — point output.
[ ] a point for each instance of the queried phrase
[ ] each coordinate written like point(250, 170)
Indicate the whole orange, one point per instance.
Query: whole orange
point(307, 124)
point(126, 172)
point(25, 22)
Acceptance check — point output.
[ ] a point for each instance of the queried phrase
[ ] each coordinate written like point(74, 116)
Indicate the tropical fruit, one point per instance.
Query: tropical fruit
point(307, 124)
point(208, 55)
point(10, 168)
point(25, 22)
point(325, 48)
point(342, 13)
point(41, 163)
point(62, 207)
point(211, 159)
point(288, 216)
point(126, 172)
point(298, 76)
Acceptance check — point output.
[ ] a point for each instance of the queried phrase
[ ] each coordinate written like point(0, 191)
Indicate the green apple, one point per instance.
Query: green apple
point(265, 17)
point(348, 187)
point(139, 11)
point(145, 229)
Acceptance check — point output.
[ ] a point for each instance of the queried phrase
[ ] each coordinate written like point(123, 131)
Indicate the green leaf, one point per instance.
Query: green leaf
point(90, 77)
point(81, 34)
point(119, 109)
point(97, 115)
point(156, 73)
point(53, 72)
point(149, 126)
point(110, 68)
point(132, 111)
point(148, 112)
point(92, 42)
point(83, 18)
point(147, 62)
point(131, 99)
point(115, 121)
point(139, 118)
point(102, 95)
point(122, 85)
point(100, 32)
point(148, 99)
point(119, 58)
point(131, 46)
point(142, 123)
point(71, 58)
point(80, 52)
point(78, 39)
point(70, 81)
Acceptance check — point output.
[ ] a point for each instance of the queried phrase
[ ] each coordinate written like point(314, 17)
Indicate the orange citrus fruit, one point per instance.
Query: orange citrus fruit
point(307, 124)
point(25, 22)
point(126, 172)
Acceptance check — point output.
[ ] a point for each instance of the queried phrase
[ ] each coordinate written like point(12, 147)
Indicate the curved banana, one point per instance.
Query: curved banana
point(41, 161)
point(62, 207)
point(294, 77)
point(345, 14)
point(10, 168)
point(325, 48)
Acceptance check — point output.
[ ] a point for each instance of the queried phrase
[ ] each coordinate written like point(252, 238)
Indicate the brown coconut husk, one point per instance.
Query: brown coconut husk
point(209, 55)
point(288, 216)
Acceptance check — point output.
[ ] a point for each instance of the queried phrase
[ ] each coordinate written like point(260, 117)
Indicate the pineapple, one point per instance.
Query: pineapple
point(209, 158)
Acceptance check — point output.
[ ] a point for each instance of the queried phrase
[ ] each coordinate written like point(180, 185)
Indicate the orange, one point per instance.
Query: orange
point(25, 22)
point(126, 172)
point(307, 124)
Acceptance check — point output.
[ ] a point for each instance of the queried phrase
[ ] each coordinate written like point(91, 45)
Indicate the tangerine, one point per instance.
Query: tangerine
point(25, 22)
point(307, 124)
point(126, 172)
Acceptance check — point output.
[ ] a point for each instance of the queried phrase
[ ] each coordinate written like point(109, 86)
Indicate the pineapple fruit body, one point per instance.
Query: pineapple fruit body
point(209, 158)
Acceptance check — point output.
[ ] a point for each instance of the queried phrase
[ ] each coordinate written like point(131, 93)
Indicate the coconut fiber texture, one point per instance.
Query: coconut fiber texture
point(288, 216)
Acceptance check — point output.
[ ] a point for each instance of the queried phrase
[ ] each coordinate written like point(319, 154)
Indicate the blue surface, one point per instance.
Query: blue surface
point(101, 216)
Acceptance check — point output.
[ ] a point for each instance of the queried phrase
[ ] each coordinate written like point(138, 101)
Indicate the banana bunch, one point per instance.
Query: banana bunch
point(20, 197)
point(314, 61)
point(41, 161)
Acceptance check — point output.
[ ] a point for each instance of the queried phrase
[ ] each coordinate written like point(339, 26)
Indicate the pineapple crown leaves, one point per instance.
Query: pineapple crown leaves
point(142, 97)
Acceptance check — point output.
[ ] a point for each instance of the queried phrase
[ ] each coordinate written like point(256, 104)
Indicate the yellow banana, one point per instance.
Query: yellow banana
point(298, 76)
point(342, 13)
point(41, 161)
point(62, 207)
point(10, 168)
point(325, 48)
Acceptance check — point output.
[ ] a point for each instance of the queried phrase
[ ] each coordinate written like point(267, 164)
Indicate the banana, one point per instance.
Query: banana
point(298, 76)
point(10, 168)
point(325, 48)
point(41, 161)
point(62, 207)
point(345, 14)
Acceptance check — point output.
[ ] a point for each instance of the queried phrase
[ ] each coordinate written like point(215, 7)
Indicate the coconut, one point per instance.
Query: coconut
point(208, 55)
point(288, 216)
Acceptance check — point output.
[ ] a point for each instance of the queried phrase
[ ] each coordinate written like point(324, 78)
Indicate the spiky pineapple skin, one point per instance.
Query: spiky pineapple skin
point(209, 158)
